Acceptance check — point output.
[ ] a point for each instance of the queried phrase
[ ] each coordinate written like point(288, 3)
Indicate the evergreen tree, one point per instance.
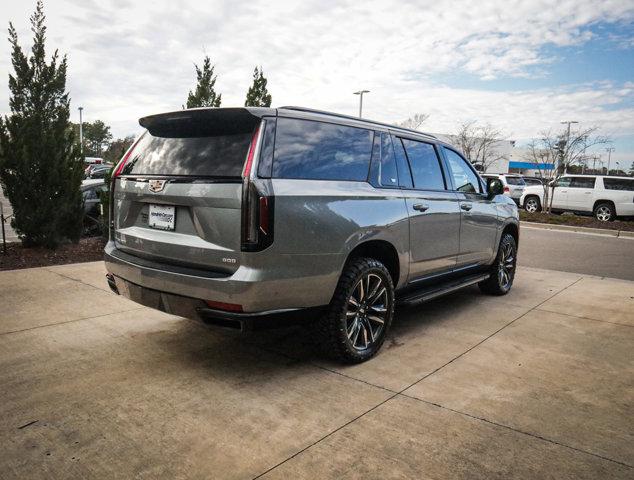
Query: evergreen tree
point(258, 95)
point(204, 95)
point(40, 166)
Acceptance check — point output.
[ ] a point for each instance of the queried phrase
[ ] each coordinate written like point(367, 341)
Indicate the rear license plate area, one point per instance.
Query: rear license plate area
point(162, 217)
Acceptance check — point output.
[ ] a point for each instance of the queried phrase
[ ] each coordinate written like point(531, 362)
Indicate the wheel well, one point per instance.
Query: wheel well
point(596, 204)
point(512, 229)
point(382, 251)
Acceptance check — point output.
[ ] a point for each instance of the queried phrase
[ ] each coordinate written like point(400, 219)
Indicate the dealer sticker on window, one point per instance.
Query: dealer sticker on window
point(162, 217)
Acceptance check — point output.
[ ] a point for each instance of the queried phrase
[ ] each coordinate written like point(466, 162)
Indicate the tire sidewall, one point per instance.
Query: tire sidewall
point(371, 266)
point(609, 207)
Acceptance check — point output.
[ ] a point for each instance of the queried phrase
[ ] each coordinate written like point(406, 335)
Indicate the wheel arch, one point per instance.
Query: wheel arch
point(598, 202)
point(514, 230)
point(381, 250)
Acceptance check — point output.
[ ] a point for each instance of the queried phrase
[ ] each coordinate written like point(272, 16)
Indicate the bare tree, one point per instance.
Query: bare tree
point(414, 123)
point(562, 150)
point(479, 143)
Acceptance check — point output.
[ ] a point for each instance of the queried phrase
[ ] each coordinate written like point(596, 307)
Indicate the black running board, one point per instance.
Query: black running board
point(433, 291)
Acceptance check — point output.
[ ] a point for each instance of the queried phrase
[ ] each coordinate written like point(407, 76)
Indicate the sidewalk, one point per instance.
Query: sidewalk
point(596, 231)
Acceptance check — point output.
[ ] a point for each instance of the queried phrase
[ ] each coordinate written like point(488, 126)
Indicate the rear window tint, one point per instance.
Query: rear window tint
point(425, 165)
point(214, 156)
point(306, 149)
point(582, 182)
point(515, 181)
point(619, 184)
point(383, 171)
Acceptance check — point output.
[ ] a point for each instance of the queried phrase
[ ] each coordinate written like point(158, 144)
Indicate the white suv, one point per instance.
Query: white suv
point(604, 197)
point(513, 184)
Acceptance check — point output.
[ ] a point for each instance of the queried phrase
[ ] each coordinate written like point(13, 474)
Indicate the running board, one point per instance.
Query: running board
point(433, 291)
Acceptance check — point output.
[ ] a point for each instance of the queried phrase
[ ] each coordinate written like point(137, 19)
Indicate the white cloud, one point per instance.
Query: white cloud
point(130, 58)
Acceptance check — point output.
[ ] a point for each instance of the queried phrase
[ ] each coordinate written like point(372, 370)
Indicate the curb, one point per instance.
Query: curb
point(596, 231)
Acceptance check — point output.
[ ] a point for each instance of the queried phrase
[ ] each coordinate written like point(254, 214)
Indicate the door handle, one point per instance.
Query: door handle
point(466, 206)
point(421, 207)
point(588, 193)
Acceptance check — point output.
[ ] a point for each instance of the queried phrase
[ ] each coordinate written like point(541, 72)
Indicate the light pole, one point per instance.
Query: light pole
point(81, 131)
point(609, 150)
point(360, 93)
point(569, 122)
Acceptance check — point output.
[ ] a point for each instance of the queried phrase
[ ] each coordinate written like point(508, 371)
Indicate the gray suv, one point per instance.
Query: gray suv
point(237, 216)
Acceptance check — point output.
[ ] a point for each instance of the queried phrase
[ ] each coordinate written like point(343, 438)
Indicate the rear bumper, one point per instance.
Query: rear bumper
point(259, 291)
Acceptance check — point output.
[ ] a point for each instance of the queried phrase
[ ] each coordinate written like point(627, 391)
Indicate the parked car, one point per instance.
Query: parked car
point(234, 216)
point(99, 171)
point(90, 190)
point(529, 181)
point(605, 197)
point(513, 184)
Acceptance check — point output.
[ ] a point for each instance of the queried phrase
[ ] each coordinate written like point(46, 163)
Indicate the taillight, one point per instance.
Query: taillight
point(507, 189)
point(257, 208)
point(119, 168)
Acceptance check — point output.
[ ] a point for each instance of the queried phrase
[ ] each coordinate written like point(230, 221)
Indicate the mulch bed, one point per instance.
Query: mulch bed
point(17, 256)
point(576, 221)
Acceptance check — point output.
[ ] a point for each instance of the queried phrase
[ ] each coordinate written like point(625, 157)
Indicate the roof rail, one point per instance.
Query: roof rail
point(350, 117)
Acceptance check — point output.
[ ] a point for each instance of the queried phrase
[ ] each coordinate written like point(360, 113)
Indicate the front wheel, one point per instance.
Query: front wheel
point(360, 312)
point(503, 269)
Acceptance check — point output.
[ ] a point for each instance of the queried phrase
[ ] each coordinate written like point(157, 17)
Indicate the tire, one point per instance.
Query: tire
point(360, 313)
point(532, 204)
point(503, 268)
point(604, 212)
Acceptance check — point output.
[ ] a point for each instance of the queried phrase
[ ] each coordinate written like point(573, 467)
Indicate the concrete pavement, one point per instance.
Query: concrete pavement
point(578, 252)
point(536, 384)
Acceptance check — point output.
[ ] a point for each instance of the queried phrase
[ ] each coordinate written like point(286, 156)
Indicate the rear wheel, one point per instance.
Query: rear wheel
point(360, 313)
point(604, 212)
point(503, 269)
point(532, 204)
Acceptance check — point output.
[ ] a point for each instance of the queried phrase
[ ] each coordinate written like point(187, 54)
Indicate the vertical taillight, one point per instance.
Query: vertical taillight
point(257, 208)
point(119, 168)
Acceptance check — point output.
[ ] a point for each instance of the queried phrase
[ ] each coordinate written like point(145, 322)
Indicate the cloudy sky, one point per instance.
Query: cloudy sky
point(522, 65)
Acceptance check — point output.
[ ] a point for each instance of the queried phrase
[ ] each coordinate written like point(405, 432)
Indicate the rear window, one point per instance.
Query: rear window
point(424, 164)
point(306, 149)
point(515, 181)
point(582, 182)
point(213, 156)
point(624, 184)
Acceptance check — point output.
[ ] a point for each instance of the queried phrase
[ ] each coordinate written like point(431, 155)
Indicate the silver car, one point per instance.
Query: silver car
point(239, 216)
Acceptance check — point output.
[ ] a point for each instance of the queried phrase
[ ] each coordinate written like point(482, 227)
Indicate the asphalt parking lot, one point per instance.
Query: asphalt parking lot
point(537, 384)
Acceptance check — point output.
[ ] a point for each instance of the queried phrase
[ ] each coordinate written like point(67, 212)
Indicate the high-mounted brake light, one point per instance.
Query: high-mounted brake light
point(126, 157)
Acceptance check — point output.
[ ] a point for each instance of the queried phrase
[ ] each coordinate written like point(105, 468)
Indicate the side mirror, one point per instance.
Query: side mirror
point(494, 188)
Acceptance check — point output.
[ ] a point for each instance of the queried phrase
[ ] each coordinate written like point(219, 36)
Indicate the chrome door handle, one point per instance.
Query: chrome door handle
point(466, 206)
point(421, 207)
point(588, 193)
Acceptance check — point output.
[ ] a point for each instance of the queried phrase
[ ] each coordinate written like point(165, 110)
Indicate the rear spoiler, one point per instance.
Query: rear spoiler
point(205, 121)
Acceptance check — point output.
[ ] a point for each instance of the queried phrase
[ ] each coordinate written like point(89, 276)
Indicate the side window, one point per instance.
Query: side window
point(383, 172)
point(464, 178)
point(404, 173)
point(582, 182)
point(90, 194)
point(425, 165)
point(563, 182)
point(623, 184)
point(305, 149)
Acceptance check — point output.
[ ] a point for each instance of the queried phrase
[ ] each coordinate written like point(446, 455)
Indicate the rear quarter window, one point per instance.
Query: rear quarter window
point(623, 184)
point(306, 149)
point(515, 181)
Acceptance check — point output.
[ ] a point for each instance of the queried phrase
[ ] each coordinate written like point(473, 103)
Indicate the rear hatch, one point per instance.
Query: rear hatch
point(178, 191)
point(516, 185)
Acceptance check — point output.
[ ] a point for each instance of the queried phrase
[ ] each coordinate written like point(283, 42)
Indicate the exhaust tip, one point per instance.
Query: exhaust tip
point(112, 283)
